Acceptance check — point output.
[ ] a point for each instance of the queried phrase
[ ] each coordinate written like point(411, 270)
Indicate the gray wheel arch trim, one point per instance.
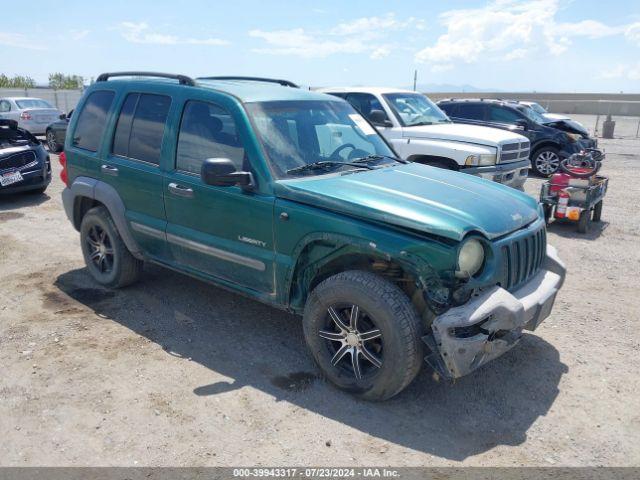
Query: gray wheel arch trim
point(108, 196)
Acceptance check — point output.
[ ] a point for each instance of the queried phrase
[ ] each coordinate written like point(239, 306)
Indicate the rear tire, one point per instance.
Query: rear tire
point(584, 222)
point(597, 212)
point(384, 338)
point(107, 258)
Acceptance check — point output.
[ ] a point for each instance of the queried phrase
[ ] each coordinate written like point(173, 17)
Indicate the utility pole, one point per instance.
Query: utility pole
point(415, 79)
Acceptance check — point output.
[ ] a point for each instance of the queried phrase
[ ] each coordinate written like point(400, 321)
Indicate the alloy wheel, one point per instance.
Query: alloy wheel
point(547, 162)
point(51, 142)
point(351, 333)
point(100, 249)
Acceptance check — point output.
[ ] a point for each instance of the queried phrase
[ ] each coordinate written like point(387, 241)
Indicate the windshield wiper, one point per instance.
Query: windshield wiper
point(420, 124)
point(324, 164)
point(377, 156)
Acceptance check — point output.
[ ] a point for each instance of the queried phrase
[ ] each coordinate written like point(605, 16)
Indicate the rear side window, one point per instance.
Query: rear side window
point(474, 111)
point(92, 119)
point(140, 127)
point(207, 131)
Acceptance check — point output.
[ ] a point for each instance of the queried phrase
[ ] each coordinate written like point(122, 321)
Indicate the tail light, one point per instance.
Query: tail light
point(25, 116)
point(64, 176)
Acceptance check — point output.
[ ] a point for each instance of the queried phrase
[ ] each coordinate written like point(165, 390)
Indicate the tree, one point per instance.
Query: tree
point(60, 81)
point(17, 81)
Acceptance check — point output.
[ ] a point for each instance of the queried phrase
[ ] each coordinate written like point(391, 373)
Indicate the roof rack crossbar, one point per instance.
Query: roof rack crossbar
point(284, 83)
point(182, 79)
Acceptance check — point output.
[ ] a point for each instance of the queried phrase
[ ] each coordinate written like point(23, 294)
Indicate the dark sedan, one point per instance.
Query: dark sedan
point(24, 163)
point(57, 132)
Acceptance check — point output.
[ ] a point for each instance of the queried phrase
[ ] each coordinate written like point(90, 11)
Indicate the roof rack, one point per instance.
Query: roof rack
point(284, 83)
point(182, 79)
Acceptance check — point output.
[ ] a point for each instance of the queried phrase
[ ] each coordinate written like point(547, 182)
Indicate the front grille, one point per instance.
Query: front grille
point(512, 152)
point(522, 258)
point(16, 161)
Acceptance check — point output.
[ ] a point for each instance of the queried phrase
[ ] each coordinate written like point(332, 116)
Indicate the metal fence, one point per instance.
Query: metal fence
point(63, 100)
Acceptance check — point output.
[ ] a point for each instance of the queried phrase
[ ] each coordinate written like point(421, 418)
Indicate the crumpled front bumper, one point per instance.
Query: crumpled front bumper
point(491, 323)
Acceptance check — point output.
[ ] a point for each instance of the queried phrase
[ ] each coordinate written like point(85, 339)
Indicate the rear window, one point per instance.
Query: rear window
point(140, 127)
point(92, 120)
point(33, 103)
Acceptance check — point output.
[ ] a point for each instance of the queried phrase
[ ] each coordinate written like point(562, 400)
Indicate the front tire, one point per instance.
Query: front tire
point(107, 258)
point(52, 144)
point(364, 334)
point(545, 161)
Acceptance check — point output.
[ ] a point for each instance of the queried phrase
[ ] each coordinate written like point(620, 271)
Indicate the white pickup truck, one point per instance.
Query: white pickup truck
point(419, 131)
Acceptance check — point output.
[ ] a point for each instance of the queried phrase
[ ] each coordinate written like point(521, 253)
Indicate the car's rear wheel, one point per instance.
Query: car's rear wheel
point(52, 143)
point(107, 258)
point(364, 334)
point(546, 161)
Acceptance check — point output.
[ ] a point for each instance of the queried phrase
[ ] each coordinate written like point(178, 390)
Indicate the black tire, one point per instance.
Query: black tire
point(597, 211)
point(545, 161)
point(118, 268)
point(584, 222)
point(384, 308)
point(52, 144)
point(548, 211)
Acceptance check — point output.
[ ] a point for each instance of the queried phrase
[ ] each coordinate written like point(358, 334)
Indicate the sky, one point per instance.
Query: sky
point(526, 45)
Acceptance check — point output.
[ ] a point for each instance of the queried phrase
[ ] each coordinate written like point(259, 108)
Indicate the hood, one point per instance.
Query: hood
point(568, 125)
point(462, 133)
point(418, 197)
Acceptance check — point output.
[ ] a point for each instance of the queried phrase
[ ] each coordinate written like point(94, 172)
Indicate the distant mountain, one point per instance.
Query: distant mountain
point(447, 87)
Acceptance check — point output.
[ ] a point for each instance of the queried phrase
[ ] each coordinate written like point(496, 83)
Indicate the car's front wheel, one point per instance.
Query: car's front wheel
point(546, 161)
point(52, 143)
point(107, 258)
point(364, 334)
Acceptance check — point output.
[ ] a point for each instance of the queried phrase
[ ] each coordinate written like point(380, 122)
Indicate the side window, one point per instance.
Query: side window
point(140, 127)
point(207, 131)
point(473, 111)
point(502, 115)
point(449, 108)
point(5, 106)
point(364, 103)
point(92, 120)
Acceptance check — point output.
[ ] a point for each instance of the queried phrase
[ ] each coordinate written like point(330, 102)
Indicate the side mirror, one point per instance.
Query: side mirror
point(379, 119)
point(62, 116)
point(523, 123)
point(221, 172)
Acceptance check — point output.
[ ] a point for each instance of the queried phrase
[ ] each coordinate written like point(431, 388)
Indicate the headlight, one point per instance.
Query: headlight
point(470, 258)
point(488, 159)
point(481, 160)
point(573, 137)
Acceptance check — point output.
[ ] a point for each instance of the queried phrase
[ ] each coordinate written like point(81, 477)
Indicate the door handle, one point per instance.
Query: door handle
point(180, 190)
point(110, 170)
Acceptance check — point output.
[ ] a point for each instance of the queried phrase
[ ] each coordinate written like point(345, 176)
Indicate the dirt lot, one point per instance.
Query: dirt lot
point(173, 371)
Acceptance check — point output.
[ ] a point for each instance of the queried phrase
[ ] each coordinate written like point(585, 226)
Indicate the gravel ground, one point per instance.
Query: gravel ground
point(173, 371)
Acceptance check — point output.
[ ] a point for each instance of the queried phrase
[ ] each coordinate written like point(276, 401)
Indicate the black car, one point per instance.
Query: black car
point(56, 133)
point(24, 163)
point(551, 141)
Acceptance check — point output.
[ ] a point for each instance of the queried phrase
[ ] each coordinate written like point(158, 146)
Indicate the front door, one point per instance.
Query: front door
point(221, 232)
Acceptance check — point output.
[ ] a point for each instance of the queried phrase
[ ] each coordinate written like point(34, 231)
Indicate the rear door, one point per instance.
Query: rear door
point(220, 232)
point(132, 166)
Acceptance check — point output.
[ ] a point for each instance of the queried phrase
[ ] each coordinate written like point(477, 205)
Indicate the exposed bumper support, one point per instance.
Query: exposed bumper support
point(491, 323)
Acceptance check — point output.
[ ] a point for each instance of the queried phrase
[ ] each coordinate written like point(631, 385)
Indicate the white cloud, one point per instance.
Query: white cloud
point(631, 72)
point(141, 33)
point(361, 35)
point(632, 33)
point(19, 40)
point(509, 30)
point(78, 34)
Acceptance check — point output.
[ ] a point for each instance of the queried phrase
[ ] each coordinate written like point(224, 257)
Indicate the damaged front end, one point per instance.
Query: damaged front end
point(468, 336)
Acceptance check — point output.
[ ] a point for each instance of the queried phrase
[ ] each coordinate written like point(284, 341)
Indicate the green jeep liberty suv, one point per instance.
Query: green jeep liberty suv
point(292, 198)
